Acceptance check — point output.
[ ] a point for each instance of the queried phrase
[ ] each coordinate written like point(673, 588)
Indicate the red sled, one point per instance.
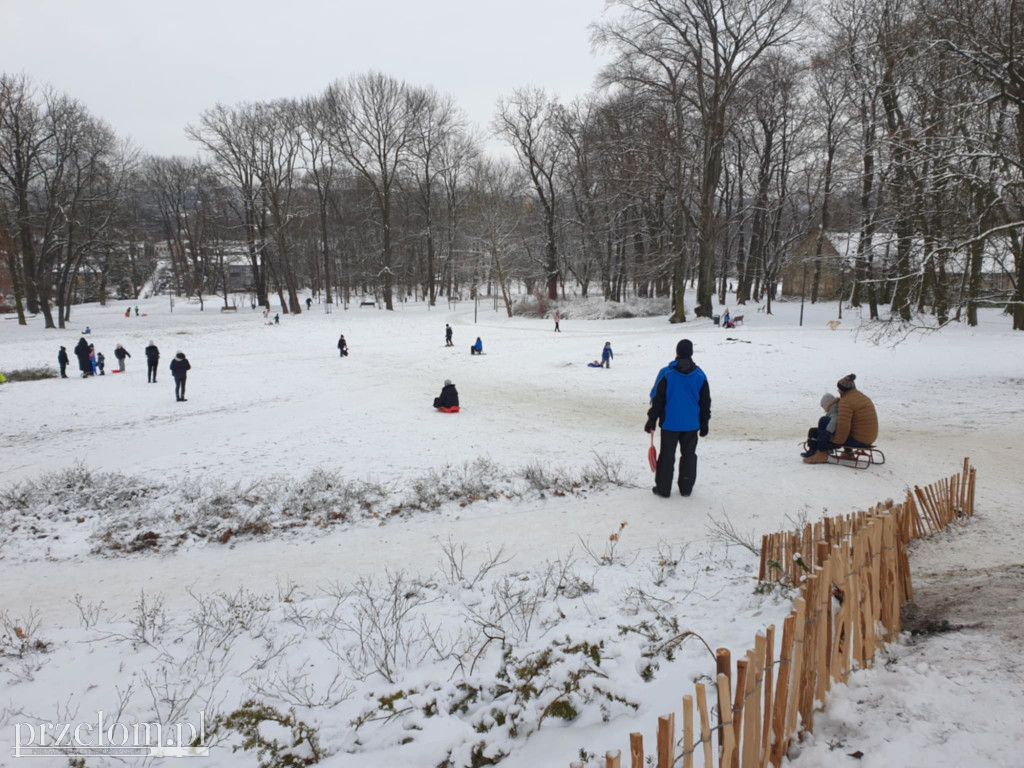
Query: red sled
point(652, 455)
point(115, 371)
point(453, 409)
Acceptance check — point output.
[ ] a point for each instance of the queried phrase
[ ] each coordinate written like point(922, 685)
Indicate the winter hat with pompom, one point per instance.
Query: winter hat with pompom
point(845, 384)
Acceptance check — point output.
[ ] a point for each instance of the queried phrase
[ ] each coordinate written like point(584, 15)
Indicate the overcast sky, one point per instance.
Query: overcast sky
point(150, 68)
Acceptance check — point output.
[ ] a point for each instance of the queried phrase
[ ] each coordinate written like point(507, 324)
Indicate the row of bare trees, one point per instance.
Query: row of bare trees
point(721, 133)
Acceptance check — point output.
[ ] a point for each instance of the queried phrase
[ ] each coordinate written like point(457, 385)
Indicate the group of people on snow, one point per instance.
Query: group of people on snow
point(91, 363)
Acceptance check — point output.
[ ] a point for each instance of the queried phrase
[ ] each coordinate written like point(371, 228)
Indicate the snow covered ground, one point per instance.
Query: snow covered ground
point(277, 402)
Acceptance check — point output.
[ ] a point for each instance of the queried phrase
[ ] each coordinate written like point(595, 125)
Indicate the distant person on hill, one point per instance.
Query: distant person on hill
point(63, 360)
point(309, 303)
point(607, 355)
point(448, 400)
point(180, 367)
point(82, 353)
point(152, 358)
point(121, 353)
point(343, 346)
point(128, 312)
point(477, 347)
point(87, 331)
point(101, 362)
point(727, 320)
point(681, 402)
point(136, 310)
point(92, 358)
point(448, 335)
point(828, 423)
point(557, 318)
point(277, 319)
point(856, 425)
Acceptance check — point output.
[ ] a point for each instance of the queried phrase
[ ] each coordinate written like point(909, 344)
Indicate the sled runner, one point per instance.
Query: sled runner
point(855, 458)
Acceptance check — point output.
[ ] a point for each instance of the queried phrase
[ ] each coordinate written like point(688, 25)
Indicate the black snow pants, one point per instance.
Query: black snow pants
point(687, 442)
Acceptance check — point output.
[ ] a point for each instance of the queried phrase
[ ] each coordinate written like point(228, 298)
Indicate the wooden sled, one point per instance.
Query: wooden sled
point(855, 458)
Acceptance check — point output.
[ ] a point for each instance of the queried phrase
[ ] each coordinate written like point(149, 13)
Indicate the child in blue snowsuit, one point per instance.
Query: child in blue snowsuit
point(607, 355)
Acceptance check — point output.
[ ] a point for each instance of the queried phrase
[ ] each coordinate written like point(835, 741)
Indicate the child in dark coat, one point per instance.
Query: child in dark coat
point(448, 400)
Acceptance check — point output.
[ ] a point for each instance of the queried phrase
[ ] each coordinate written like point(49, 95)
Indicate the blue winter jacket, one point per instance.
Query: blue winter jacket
point(606, 354)
point(681, 397)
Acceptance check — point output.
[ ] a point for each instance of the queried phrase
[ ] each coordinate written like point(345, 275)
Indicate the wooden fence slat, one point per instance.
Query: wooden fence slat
point(725, 705)
point(738, 702)
point(636, 750)
point(666, 740)
point(705, 725)
point(723, 666)
point(769, 681)
point(613, 759)
point(687, 731)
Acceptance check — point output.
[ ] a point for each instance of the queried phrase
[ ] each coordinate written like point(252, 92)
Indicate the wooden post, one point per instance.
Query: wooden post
point(705, 725)
point(725, 705)
point(687, 731)
point(764, 558)
point(779, 736)
point(769, 675)
point(636, 750)
point(799, 624)
point(666, 740)
point(613, 759)
point(737, 709)
point(723, 666)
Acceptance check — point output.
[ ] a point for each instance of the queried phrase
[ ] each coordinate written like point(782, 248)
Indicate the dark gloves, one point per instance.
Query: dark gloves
point(651, 424)
point(703, 430)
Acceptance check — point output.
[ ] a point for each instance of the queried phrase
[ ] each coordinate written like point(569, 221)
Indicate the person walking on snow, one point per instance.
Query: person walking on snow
point(607, 355)
point(448, 335)
point(343, 346)
point(101, 362)
point(121, 353)
point(63, 360)
point(152, 358)
point(681, 402)
point(136, 311)
point(309, 303)
point(277, 319)
point(180, 367)
point(557, 318)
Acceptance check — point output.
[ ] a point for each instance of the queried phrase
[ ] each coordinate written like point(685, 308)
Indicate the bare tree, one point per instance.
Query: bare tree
point(528, 121)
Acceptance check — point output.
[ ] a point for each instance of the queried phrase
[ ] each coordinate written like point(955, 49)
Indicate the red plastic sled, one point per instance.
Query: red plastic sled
point(116, 370)
point(453, 409)
point(652, 455)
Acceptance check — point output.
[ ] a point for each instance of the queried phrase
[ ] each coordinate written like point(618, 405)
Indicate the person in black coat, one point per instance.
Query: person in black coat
point(448, 335)
point(343, 346)
point(449, 397)
point(152, 358)
point(82, 353)
point(180, 367)
point(63, 360)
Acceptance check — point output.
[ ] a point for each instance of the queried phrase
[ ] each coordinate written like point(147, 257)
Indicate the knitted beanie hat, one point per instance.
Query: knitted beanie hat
point(447, 382)
point(845, 384)
point(826, 400)
point(684, 348)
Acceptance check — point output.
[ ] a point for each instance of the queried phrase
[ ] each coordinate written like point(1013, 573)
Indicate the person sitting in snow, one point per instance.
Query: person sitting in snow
point(448, 400)
point(594, 364)
point(726, 320)
point(607, 355)
point(477, 348)
point(828, 423)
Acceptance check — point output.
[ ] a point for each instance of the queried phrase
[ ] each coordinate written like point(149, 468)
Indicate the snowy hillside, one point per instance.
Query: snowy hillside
point(307, 532)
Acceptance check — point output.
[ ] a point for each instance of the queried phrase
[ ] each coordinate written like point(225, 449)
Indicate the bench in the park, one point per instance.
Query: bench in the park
point(368, 304)
point(229, 308)
point(737, 320)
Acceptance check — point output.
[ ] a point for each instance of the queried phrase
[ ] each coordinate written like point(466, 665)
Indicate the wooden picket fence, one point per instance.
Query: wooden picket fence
point(853, 575)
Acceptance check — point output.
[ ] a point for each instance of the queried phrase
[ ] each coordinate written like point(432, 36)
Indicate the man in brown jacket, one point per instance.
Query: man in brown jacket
point(857, 425)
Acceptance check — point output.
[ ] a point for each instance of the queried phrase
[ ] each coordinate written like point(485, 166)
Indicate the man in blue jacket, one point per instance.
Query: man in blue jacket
point(681, 401)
